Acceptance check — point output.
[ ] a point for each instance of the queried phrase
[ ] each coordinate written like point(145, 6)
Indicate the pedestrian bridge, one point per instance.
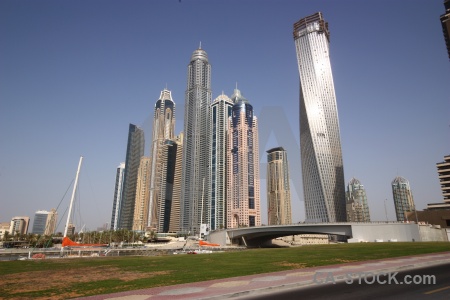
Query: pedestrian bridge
point(351, 231)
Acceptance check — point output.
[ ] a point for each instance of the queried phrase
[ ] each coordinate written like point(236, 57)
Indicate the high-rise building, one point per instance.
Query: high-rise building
point(320, 145)
point(445, 21)
point(196, 150)
point(40, 222)
point(169, 206)
point(19, 225)
point(140, 219)
point(52, 222)
point(278, 187)
point(220, 114)
point(443, 169)
point(117, 196)
point(163, 129)
point(243, 195)
point(444, 177)
point(357, 207)
point(403, 198)
point(135, 150)
point(175, 218)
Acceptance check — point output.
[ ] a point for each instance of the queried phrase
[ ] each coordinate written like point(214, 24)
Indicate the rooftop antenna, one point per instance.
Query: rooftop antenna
point(200, 46)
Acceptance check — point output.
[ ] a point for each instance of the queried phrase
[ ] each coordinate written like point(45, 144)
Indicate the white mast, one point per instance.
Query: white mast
point(73, 196)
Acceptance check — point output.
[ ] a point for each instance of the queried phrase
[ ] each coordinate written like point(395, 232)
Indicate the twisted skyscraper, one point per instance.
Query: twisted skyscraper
point(196, 144)
point(321, 154)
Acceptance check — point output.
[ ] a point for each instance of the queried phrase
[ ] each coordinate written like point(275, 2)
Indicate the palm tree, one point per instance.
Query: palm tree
point(6, 236)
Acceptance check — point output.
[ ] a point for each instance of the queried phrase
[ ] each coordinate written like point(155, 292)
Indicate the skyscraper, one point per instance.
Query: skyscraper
point(52, 222)
point(19, 225)
point(243, 198)
point(174, 223)
point(403, 199)
point(169, 206)
point(135, 150)
point(196, 150)
point(117, 196)
point(357, 207)
point(445, 21)
point(141, 204)
point(443, 169)
point(278, 187)
point(163, 129)
point(320, 145)
point(220, 114)
point(40, 221)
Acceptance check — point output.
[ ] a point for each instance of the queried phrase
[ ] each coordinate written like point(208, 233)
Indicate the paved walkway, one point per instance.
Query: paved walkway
point(253, 284)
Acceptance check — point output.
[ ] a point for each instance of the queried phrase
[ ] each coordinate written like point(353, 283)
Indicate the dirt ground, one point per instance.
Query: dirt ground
point(45, 280)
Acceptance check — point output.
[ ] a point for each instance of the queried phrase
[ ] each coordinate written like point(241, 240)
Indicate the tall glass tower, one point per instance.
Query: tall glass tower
point(321, 154)
point(445, 21)
point(163, 129)
point(196, 144)
point(135, 150)
point(357, 207)
point(141, 202)
point(403, 199)
point(278, 187)
point(40, 222)
point(117, 196)
point(220, 114)
point(169, 204)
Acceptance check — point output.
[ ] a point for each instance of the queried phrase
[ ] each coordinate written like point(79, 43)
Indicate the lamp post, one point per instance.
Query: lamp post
point(385, 210)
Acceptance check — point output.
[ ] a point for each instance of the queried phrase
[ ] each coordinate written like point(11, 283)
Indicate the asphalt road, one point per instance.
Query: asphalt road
point(426, 283)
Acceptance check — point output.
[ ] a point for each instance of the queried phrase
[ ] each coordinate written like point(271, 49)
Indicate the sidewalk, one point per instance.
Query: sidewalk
point(253, 284)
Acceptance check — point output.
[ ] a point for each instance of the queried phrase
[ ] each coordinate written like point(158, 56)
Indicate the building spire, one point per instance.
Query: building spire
point(200, 46)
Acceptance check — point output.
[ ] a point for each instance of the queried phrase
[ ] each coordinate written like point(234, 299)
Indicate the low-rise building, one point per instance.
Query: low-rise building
point(307, 239)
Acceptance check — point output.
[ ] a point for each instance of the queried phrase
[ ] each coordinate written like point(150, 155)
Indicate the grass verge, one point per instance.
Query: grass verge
point(68, 278)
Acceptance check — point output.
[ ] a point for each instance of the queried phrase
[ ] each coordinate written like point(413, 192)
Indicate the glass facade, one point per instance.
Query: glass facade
point(243, 194)
point(357, 206)
point(196, 144)
point(278, 187)
point(117, 197)
point(221, 111)
point(163, 130)
point(40, 221)
point(403, 199)
point(135, 150)
point(320, 145)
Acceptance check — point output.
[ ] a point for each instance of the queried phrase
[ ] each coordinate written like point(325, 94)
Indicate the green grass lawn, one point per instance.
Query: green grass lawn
point(75, 277)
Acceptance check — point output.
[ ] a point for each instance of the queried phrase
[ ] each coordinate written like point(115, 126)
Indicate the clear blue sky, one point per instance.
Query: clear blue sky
point(74, 74)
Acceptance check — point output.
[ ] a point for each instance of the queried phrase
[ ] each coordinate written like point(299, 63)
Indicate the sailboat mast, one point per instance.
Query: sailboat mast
point(73, 196)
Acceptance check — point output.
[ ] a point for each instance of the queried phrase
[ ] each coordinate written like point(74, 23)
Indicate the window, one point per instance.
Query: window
point(251, 221)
